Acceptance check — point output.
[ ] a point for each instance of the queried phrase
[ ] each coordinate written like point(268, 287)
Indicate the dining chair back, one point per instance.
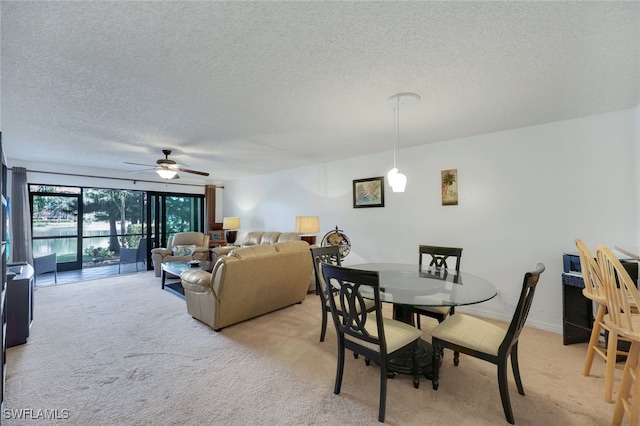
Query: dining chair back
point(437, 257)
point(594, 289)
point(328, 254)
point(366, 333)
point(487, 341)
point(623, 319)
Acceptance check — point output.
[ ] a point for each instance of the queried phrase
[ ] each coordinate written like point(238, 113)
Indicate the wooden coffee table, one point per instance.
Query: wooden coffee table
point(176, 268)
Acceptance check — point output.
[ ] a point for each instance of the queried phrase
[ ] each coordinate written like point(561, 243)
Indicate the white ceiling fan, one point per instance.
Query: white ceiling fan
point(166, 168)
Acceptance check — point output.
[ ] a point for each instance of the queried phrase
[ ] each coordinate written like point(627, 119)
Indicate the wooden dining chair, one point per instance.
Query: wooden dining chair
point(438, 259)
point(594, 290)
point(486, 341)
point(328, 254)
point(366, 333)
point(622, 319)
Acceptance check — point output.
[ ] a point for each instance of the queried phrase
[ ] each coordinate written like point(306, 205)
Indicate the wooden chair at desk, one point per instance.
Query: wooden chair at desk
point(622, 319)
point(594, 290)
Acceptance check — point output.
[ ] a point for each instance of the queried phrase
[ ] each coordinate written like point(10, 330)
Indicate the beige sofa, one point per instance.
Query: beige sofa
point(176, 242)
point(249, 282)
point(256, 238)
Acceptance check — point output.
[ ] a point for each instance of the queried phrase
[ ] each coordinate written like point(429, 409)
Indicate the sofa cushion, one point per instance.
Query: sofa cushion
point(289, 246)
point(269, 238)
point(253, 238)
point(183, 250)
point(253, 251)
point(289, 236)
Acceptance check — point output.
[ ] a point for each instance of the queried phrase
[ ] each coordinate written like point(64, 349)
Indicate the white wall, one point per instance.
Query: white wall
point(524, 196)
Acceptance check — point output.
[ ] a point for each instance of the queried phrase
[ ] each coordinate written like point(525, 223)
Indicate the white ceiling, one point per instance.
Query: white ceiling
point(244, 88)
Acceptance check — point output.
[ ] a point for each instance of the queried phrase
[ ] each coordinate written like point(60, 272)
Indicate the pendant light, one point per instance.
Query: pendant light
point(397, 180)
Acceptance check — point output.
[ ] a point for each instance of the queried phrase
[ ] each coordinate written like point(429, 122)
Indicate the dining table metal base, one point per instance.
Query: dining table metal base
point(402, 361)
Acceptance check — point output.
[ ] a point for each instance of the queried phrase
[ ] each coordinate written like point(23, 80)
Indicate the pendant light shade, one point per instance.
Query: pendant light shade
point(397, 180)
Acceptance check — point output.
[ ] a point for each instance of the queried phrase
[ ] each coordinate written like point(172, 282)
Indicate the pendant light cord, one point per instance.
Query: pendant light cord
point(395, 138)
point(395, 155)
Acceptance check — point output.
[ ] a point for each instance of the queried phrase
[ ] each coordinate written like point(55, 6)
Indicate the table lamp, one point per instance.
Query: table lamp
point(306, 226)
point(230, 225)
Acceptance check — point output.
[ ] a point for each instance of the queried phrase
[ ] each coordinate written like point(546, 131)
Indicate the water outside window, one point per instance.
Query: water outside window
point(87, 227)
point(110, 219)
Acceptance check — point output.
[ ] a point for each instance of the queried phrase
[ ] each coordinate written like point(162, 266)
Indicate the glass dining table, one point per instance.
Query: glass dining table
point(409, 285)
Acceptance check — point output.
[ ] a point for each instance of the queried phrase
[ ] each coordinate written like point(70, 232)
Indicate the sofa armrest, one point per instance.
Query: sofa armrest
point(222, 251)
point(199, 250)
point(197, 281)
point(161, 251)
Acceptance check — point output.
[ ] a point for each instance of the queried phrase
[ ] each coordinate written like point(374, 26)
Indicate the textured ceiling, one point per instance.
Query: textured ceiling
point(243, 88)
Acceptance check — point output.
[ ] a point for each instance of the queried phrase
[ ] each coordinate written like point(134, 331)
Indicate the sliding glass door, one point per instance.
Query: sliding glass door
point(171, 213)
point(87, 227)
point(55, 225)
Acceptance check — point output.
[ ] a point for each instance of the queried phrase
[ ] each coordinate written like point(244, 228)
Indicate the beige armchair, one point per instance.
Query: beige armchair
point(182, 246)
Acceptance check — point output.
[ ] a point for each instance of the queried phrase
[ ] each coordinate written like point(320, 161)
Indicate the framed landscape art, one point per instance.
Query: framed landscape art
point(368, 192)
point(449, 187)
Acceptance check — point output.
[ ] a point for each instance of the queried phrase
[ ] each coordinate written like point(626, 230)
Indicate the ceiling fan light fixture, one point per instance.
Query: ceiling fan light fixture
point(166, 173)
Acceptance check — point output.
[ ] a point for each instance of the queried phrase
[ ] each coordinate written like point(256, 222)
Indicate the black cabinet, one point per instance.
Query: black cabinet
point(19, 306)
point(577, 310)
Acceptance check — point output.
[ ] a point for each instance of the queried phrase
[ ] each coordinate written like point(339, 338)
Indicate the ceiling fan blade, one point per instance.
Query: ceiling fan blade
point(141, 171)
point(195, 172)
point(139, 164)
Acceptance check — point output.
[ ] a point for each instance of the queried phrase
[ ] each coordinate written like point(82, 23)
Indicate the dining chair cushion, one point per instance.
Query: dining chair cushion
point(470, 332)
point(397, 334)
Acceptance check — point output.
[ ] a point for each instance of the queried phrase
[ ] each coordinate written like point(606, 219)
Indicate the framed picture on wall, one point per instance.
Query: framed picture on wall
point(368, 192)
point(449, 181)
point(217, 235)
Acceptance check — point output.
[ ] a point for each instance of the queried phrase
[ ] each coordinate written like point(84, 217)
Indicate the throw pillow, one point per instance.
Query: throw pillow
point(184, 250)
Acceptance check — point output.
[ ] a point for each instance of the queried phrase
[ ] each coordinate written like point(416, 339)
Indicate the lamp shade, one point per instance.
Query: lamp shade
point(307, 224)
point(231, 223)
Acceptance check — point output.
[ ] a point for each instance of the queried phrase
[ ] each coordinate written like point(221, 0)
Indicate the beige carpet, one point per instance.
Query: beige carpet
point(121, 351)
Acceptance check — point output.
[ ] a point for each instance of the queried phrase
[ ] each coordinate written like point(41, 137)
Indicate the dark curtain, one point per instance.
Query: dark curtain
point(21, 250)
point(210, 203)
